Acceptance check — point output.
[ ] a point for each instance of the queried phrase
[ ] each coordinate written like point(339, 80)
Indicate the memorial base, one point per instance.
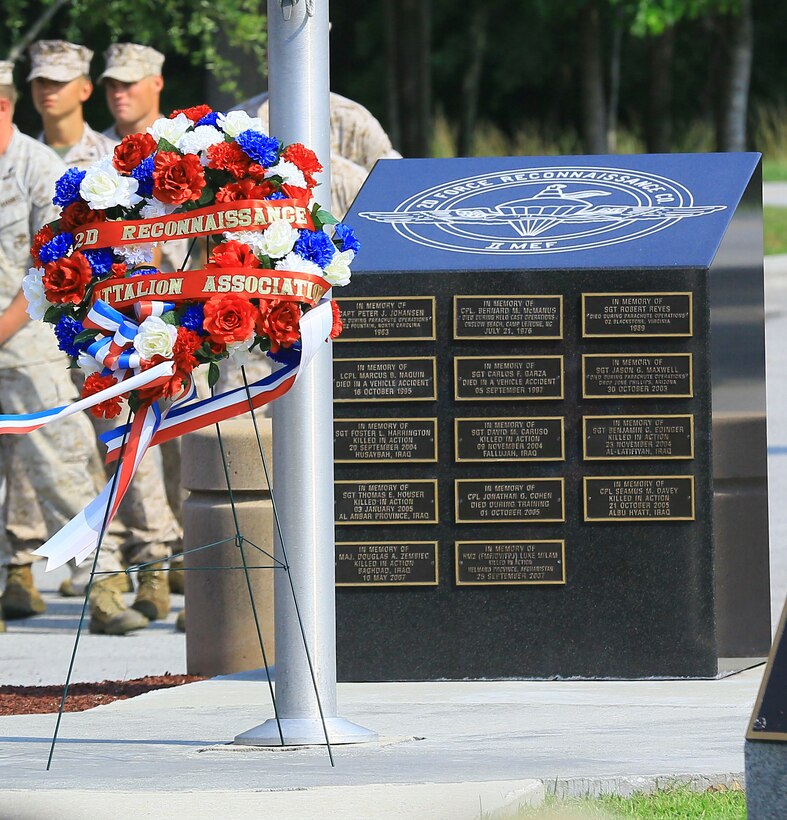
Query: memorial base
point(305, 732)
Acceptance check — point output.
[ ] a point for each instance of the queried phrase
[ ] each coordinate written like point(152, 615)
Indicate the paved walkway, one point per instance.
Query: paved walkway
point(448, 750)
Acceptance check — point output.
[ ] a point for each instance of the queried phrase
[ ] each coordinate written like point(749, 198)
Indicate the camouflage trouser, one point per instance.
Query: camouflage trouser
point(149, 529)
point(57, 459)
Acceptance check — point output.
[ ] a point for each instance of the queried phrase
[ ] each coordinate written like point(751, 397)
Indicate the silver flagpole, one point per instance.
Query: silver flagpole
point(299, 84)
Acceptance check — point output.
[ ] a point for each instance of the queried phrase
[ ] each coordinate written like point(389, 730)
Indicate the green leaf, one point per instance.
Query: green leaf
point(166, 145)
point(169, 318)
point(326, 217)
point(53, 313)
point(213, 374)
point(85, 336)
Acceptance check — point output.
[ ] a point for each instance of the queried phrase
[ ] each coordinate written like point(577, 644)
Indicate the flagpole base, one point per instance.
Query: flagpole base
point(305, 732)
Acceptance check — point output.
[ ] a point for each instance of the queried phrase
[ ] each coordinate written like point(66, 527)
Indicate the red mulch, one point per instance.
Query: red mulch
point(30, 700)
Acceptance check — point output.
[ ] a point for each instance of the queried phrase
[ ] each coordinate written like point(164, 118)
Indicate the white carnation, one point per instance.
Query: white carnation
point(155, 338)
point(135, 254)
point(33, 288)
point(239, 353)
point(290, 174)
point(200, 139)
point(297, 263)
point(251, 238)
point(155, 208)
point(87, 364)
point(103, 187)
point(338, 271)
point(278, 238)
point(236, 122)
point(170, 129)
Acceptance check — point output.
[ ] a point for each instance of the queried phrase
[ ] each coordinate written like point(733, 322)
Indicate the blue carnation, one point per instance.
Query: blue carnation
point(260, 147)
point(57, 247)
point(193, 317)
point(316, 246)
point(276, 195)
point(145, 271)
point(101, 261)
point(209, 119)
point(143, 173)
point(346, 235)
point(287, 355)
point(66, 330)
point(67, 187)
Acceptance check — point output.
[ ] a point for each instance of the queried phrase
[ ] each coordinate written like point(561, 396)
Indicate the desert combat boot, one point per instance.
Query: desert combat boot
point(21, 599)
point(108, 613)
point(152, 594)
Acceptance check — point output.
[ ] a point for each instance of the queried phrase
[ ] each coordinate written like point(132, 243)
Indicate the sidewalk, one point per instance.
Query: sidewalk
point(447, 751)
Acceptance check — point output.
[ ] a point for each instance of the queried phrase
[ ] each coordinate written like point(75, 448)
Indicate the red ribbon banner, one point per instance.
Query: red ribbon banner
point(200, 285)
point(243, 215)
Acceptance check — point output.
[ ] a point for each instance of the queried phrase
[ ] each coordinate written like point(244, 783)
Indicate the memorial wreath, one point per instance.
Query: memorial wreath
point(137, 333)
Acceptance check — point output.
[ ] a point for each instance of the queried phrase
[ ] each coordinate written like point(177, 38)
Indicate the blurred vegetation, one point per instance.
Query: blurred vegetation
point(488, 77)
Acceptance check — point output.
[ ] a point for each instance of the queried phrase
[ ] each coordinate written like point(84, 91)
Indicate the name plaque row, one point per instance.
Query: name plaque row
point(515, 378)
point(517, 317)
point(521, 438)
point(515, 500)
point(478, 563)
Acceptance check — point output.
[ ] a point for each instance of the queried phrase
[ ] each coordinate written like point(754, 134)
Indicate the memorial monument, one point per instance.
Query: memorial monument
point(542, 359)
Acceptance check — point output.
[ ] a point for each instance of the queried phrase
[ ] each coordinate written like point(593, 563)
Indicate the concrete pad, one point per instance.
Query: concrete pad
point(428, 801)
point(573, 737)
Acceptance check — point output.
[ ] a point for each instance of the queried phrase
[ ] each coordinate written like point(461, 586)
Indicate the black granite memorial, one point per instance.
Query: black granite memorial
point(537, 355)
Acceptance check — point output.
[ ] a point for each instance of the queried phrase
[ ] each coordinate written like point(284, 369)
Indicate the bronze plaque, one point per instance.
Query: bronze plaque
point(637, 375)
point(621, 438)
point(509, 439)
point(636, 314)
point(508, 317)
point(489, 563)
point(508, 378)
point(386, 502)
point(373, 440)
point(639, 498)
point(387, 379)
point(507, 500)
point(386, 563)
point(387, 318)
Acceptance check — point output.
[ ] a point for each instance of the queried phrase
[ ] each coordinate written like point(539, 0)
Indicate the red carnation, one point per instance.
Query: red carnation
point(65, 279)
point(119, 270)
point(186, 345)
point(280, 324)
point(177, 179)
point(233, 255)
point(305, 159)
point(95, 383)
point(39, 240)
point(337, 326)
point(79, 213)
point(228, 156)
point(229, 318)
point(245, 189)
point(132, 149)
point(256, 171)
point(195, 113)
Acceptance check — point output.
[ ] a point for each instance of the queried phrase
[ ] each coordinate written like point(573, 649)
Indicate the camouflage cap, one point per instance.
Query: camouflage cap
point(130, 62)
point(6, 72)
point(59, 60)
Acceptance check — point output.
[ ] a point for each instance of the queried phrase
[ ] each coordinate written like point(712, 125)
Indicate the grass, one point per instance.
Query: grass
point(775, 229)
point(673, 804)
point(774, 170)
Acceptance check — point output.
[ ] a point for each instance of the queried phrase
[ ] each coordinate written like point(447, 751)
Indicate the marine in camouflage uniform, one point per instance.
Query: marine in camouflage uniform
point(34, 376)
point(132, 81)
point(145, 521)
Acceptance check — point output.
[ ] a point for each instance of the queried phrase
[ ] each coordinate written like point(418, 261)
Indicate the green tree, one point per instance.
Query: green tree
point(209, 33)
